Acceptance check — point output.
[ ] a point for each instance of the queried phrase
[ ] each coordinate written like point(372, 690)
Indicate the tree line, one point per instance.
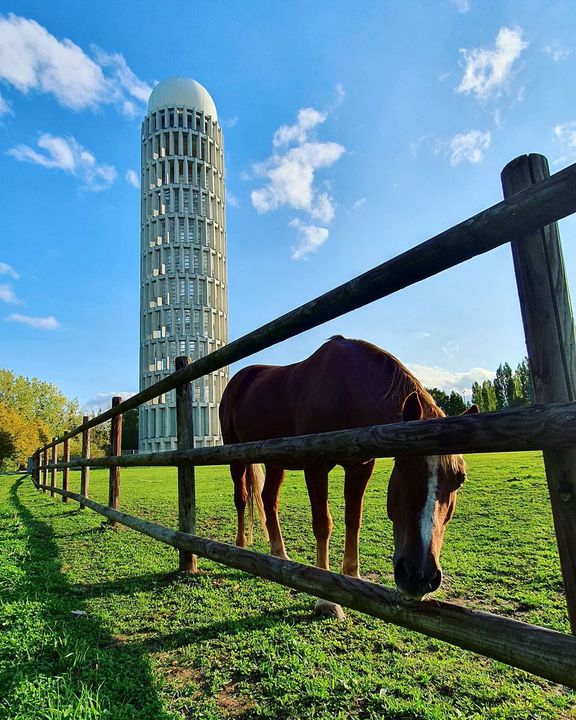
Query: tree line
point(32, 412)
point(509, 389)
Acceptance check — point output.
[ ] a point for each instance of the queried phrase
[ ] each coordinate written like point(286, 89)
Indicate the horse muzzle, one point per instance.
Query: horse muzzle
point(414, 581)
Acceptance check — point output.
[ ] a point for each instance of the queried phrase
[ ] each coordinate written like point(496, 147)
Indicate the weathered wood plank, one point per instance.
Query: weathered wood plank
point(549, 329)
point(85, 473)
point(544, 652)
point(186, 475)
point(115, 449)
point(550, 200)
point(532, 428)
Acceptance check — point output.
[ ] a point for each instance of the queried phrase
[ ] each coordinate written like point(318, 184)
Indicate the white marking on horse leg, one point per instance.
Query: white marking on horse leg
point(429, 509)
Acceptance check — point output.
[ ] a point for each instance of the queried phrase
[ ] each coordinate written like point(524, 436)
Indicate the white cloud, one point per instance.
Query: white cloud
point(566, 137)
point(5, 108)
point(68, 155)
point(463, 6)
point(290, 175)
point(449, 380)
point(230, 122)
point(307, 119)
point(41, 323)
point(132, 178)
point(358, 203)
point(123, 82)
point(469, 147)
point(6, 269)
point(232, 199)
point(340, 95)
point(557, 52)
point(290, 180)
point(311, 238)
point(33, 59)
point(487, 71)
point(7, 295)
point(103, 401)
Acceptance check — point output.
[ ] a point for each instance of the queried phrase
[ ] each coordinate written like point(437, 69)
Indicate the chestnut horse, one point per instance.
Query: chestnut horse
point(345, 384)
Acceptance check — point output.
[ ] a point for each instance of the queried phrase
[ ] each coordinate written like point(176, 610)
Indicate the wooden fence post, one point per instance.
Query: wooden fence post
point(186, 475)
point(35, 471)
point(549, 329)
point(66, 471)
point(45, 469)
point(85, 471)
point(53, 469)
point(115, 449)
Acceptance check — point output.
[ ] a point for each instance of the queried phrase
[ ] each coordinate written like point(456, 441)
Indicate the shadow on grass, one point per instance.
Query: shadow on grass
point(82, 653)
point(74, 647)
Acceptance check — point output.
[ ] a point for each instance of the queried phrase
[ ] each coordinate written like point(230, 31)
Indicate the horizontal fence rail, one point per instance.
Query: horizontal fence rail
point(533, 428)
point(541, 204)
point(547, 653)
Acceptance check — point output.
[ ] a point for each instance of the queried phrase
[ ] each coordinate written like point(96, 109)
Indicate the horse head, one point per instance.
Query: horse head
point(421, 500)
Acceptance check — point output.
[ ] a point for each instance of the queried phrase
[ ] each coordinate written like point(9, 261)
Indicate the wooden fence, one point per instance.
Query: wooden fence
point(527, 217)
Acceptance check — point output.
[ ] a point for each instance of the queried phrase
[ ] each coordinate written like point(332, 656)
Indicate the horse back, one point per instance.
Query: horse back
point(344, 384)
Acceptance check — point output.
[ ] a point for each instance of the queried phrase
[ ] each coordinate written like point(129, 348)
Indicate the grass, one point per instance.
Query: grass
point(150, 644)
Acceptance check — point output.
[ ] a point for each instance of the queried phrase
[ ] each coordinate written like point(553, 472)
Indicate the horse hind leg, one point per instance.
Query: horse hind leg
point(238, 472)
point(322, 524)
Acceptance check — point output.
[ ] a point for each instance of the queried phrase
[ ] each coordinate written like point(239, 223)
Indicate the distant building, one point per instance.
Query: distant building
point(183, 291)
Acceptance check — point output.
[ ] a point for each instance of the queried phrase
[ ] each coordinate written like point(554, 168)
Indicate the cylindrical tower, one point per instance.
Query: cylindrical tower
point(183, 292)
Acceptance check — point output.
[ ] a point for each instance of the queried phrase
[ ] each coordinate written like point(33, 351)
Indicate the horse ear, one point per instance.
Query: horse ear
point(472, 410)
point(412, 408)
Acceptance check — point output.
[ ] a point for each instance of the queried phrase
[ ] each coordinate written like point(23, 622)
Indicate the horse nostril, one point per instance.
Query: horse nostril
point(436, 580)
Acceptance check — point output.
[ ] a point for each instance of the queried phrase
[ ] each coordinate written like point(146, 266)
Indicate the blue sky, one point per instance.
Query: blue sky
point(352, 133)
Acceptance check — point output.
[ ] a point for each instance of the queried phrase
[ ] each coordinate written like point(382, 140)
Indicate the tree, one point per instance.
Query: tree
point(440, 398)
point(19, 437)
point(452, 404)
point(130, 430)
point(37, 400)
point(489, 400)
point(525, 388)
point(456, 404)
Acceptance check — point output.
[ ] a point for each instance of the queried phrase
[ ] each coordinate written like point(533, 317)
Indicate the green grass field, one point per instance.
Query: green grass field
point(152, 645)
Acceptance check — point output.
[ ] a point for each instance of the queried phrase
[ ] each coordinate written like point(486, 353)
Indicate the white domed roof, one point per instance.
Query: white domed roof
point(182, 91)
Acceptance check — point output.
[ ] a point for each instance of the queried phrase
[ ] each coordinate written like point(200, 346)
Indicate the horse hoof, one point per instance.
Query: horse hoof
point(324, 608)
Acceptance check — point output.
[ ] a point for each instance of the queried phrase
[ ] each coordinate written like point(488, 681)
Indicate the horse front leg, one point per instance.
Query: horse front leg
point(270, 499)
point(355, 481)
point(238, 472)
point(317, 484)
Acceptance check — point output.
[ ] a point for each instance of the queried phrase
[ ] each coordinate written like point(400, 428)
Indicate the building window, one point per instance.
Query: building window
point(195, 202)
point(172, 230)
point(181, 229)
point(186, 257)
point(182, 347)
point(182, 290)
point(190, 231)
point(186, 200)
point(192, 298)
point(186, 320)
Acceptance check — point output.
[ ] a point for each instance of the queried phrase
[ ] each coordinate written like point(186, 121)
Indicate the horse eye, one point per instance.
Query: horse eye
point(459, 478)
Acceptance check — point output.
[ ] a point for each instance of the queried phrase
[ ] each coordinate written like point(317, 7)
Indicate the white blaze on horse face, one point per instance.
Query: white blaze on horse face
point(429, 509)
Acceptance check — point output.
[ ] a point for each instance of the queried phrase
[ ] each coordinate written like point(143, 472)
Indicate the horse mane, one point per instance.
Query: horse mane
point(401, 381)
